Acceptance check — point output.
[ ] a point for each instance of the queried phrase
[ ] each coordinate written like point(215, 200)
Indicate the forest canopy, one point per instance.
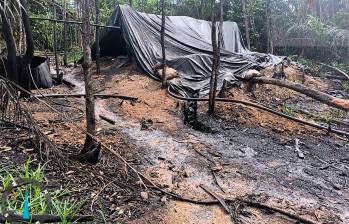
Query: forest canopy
point(285, 27)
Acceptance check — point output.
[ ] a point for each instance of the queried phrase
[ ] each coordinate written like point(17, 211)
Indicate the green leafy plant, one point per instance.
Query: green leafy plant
point(37, 196)
point(74, 55)
point(288, 110)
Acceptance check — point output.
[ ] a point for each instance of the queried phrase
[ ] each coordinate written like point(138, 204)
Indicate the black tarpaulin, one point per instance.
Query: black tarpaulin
point(188, 48)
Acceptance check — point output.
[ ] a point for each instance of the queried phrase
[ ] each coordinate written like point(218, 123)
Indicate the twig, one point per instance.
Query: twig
point(247, 202)
point(99, 192)
point(216, 181)
point(216, 196)
point(110, 121)
point(83, 95)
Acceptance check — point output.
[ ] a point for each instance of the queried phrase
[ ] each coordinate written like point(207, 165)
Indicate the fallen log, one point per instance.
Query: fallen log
point(83, 95)
point(312, 93)
point(333, 77)
point(13, 218)
point(336, 70)
point(264, 108)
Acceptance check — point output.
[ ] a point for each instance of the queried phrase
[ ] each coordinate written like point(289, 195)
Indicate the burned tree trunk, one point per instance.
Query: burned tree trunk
point(25, 73)
point(90, 103)
point(247, 25)
point(98, 50)
point(216, 56)
point(163, 21)
point(11, 65)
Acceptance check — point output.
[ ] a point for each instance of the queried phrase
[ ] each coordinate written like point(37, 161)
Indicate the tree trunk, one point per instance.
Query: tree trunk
point(55, 41)
point(65, 33)
point(130, 3)
point(90, 103)
point(98, 50)
point(247, 24)
point(163, 21)
point(11, 65)
point(216, 55)
point(25, 74)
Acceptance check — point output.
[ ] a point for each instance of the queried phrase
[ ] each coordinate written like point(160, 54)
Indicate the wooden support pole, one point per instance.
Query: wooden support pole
point(55, 42)
point(72, 22)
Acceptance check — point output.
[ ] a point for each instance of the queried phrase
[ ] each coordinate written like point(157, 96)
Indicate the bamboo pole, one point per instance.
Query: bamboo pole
point(72, 22)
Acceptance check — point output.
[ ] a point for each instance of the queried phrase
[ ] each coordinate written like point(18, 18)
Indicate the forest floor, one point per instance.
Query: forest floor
point(245, 152)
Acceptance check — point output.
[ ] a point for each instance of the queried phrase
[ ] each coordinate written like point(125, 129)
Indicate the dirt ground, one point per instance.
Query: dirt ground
point(248, 153)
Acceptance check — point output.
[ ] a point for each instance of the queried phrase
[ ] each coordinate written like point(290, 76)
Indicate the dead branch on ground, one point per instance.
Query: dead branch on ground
point(336, 70)
point(83, 95)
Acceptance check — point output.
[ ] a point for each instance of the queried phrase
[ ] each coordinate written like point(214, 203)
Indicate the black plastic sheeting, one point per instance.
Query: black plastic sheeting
point(188, 48)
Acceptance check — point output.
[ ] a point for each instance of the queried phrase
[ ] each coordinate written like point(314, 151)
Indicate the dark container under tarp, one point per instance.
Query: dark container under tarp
point(40, 72)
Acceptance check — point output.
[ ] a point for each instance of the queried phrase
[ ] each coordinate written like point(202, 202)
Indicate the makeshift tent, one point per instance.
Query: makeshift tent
point(188, 48)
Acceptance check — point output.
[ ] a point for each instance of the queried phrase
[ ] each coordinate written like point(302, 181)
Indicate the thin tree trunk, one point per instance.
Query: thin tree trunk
point(163, 21)
point(98, 50)
point(21, 35)
point(90, 103)
point(65, 58)
point(247, 24)
point(267, 16)
point(130, 3)
point(25, 80)
point(11, 66)
point(55, 41)
point(216, 56)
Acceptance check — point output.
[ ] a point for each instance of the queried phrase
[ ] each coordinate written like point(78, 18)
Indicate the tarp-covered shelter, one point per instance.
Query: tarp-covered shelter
point(188, 48)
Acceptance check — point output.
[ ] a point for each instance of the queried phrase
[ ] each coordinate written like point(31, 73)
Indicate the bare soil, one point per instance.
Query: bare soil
point(249, 153)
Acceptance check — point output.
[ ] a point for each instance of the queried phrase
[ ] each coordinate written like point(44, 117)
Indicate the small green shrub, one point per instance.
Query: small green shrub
point(286, 109)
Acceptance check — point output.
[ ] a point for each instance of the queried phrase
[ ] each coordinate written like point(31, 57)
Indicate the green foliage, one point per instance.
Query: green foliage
point(316, 26)
point(287, 109)
point(37, 196)
point(74, 55)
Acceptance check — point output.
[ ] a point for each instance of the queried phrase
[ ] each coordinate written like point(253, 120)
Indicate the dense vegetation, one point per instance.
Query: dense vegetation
point(300, 27)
